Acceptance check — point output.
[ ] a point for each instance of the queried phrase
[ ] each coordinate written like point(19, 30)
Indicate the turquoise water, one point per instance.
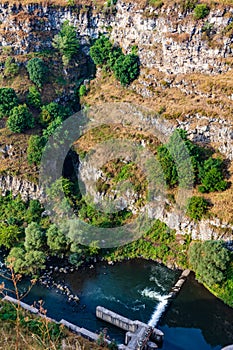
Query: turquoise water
point(138, 289)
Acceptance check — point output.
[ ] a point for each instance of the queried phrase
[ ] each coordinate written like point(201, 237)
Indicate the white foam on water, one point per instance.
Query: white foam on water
point(152, 294)
point(159, 310)
point(154, 279)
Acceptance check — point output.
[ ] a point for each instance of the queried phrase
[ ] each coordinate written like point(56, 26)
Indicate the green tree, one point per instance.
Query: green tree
point(210, 261)
point(197, 207)
point(16, 258)
point(35, 148)
point(180, 150)
point(101, 50)
point(56, 240)
point(201, 11)
point(8, 100)
point(211, 176)
point(168, 165)
point(34, 211)
point(52, 111)
point(114, 54)
point(14, 211)
point(20, 119)
point(35, 261)
point(34, 97)
point(9, 235)
point(53, 127)
point(66, 42)
point(34, 237)
point(37, 71)
point(126, 68)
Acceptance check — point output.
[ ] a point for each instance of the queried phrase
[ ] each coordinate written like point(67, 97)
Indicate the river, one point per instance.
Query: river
point(138, 289)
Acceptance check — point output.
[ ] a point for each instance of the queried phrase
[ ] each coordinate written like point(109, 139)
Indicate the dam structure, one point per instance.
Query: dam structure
point(139, 335)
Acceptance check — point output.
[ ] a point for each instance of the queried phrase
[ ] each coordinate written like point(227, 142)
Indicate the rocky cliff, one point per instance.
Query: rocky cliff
point(26, 189)
point(168, 39)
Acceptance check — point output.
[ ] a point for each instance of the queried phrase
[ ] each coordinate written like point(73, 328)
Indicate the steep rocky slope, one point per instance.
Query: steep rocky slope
point(186, 70)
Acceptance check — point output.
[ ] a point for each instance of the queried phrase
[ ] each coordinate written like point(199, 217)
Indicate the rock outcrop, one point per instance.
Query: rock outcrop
point(167, 38)
point(26, 189)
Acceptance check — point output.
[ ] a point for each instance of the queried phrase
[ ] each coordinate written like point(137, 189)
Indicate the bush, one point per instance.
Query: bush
point(168, 166)
point(126, 68)
point(37, 71)
point(82, 91)
point(52, 111)
point(156, 3)
point(8, 100)
point(35, 148)
point(20, 119)
point(66, 42)
point(11, 68)
point(201, 11)
point(187, 5)
point(211, 176)
point(197, 207)
point(34, 97)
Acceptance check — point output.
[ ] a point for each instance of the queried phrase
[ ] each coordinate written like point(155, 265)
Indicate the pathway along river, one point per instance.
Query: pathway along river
point(196, 320)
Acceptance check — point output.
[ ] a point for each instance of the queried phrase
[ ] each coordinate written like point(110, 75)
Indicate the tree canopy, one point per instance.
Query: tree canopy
point(8, 100)
point(209, 260)
point(66, 42)
point(20, 119)
point(37, 71)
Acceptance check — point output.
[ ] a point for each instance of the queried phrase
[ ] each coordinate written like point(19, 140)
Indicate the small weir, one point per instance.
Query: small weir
point(139, 336)
point(167, 299)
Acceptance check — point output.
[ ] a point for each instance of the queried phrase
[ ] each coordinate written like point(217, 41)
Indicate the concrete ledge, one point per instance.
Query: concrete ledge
point(23, 305)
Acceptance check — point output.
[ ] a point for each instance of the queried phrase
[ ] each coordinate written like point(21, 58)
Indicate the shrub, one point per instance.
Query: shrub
point(201, 11)
point(52, 127)
point(52, 111)
point(156, 3)
point(126, 68)
point(11, 68)
point(20, 119)
point(35, 148)
point(187, 5)
point(34, 97)
point(211, 176)
point(37, 71)
point(197, 207)
point(66, 42)
point(82, 90)
point(8, 100)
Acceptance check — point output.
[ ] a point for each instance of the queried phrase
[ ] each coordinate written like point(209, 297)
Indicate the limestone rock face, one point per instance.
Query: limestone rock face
point(167, 39)
point(26, 189)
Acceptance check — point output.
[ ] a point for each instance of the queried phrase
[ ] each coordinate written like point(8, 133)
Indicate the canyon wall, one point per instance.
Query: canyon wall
point(167, 39)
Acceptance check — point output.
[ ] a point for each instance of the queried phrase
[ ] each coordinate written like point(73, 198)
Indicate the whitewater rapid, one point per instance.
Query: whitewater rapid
point(160, 308)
